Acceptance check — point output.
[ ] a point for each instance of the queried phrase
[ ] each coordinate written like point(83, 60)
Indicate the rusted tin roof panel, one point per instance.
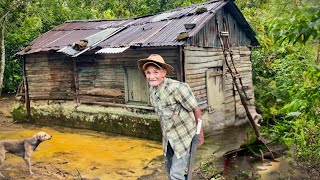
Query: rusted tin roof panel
point(182, 12)
point(53, 40)
point(168, 34)
point(90, 25)
point(162, 16)
point(163, 29)
point(134, 35)
point(62, 37)
point(91, 41)
point(154, 30)
point(160, 33)
point(209, 6)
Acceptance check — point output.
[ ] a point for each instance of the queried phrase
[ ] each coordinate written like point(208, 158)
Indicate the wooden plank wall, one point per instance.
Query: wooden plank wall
point(208, 35)
point(102, 78)
point(50, 77)
point(234, 110)
point(243, 64)
point(197, 61)
point(237, 36)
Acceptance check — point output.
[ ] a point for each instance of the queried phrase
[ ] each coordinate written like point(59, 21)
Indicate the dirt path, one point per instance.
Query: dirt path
point(5, 110)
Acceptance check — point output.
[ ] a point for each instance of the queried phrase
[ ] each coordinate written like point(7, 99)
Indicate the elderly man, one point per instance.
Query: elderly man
point(178, 110)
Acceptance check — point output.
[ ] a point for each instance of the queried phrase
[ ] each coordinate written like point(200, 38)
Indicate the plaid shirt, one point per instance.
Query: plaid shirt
point(174, 103)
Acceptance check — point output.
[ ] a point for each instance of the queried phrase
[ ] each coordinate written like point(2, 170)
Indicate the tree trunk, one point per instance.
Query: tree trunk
point(2, 52)
point(4, 20)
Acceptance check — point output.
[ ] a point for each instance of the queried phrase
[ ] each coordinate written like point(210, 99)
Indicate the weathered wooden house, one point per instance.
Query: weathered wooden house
point(84, 73)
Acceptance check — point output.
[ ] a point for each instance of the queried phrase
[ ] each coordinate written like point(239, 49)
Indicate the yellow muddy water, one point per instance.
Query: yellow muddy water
point(275, 170)
point(89, 154)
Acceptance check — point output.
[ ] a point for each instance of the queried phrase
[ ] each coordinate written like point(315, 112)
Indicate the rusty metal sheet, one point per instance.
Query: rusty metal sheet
point(182, 12)
point(154, 30)
point(211, 6)
point(53, 40)
point(68, 33)
point(92, 40)
point(135, 35)
point(91, 24)
point(163, 16)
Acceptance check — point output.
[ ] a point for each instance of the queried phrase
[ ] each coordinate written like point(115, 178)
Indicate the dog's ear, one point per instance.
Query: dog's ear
point(39, 136)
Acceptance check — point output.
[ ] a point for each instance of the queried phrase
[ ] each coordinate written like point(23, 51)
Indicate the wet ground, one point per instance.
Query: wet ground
point(84, 154)
point(88, 154)
point(79, 154)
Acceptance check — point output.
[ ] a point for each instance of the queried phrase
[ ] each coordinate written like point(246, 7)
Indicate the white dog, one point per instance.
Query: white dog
point(23, 148)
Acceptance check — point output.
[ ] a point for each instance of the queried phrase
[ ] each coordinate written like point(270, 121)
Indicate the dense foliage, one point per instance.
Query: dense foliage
point(287, 73)
point(285, 66)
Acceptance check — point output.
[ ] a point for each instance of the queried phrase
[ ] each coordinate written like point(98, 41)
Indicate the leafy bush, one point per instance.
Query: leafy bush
point(287, 79)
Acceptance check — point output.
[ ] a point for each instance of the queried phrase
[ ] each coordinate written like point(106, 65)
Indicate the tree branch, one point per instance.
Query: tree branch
point(10, 9)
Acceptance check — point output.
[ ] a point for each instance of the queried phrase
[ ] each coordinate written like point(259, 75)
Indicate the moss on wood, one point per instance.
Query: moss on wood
point(201, 10)
point(112, 120)
point(182, 36)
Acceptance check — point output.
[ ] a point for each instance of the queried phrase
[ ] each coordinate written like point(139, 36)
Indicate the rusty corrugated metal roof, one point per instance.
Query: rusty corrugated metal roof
point(154, 30)
point(92, 41)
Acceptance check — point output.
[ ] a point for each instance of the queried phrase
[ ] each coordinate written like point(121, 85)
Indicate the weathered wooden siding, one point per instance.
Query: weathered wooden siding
point(208, 35)
point(203, 53)
point(98, 78)
point(198, 61)
point(234, 111)
point(102, 77)
point(50, 77)
point(244, 66)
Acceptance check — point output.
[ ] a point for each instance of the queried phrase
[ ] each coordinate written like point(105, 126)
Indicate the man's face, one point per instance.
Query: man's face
point(154, 75)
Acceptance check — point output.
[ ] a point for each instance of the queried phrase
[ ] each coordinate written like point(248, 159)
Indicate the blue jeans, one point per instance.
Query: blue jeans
point(176, 168)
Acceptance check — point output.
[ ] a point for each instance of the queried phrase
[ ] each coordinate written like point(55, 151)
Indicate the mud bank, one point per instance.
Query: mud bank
point(111, 119)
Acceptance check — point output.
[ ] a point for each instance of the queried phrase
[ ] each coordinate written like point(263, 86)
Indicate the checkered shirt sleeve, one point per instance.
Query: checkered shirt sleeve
point(185, 97)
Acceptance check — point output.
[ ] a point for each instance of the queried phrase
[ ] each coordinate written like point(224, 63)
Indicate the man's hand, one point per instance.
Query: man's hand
point(198, 117)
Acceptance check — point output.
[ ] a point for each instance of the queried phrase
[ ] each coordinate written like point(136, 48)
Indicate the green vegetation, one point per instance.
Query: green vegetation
point(286, 67)
point(287, 73)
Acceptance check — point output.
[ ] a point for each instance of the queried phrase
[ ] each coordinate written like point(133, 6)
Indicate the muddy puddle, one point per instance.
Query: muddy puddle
point(241, 165)
point(262, 164)
point(86, 154)
point(249, 167)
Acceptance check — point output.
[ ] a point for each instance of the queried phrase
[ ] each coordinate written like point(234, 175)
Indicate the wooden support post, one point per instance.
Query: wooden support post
point(26, 89)
point(182, 66)
point(76, 79)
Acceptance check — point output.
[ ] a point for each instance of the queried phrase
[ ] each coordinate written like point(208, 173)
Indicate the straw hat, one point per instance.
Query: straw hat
point(155, 59)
